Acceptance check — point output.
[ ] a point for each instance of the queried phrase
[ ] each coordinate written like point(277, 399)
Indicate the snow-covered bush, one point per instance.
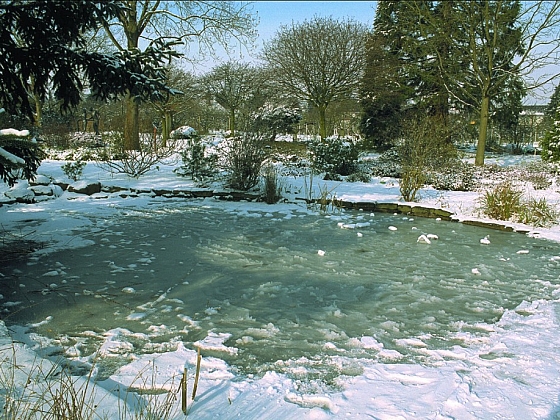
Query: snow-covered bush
point(273, 120)
point(501, 202)
point(457, 176)
point(412, 180)
point(197, 163)
point(505, 202)
point(540, 174)
point(133, 163)
point(423, 147)
point(388, 164)
point(537, 213)
point(360, 176)
point(550, 144)
point(271, 184)
point(184, 132)
point(334, 155)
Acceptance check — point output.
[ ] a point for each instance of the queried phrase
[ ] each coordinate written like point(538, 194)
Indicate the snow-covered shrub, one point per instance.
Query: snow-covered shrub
point(423, 147)
point(273, 120)
point(197, 163)
point(359, 176)
point(540, 174)
point(457, 176)
point(334, 155)
point(388, 164)
point(184, 132)
point(539, 180)
point(412, 180)
point(550, 144)
point(133, 163)
point(74, 170)
point(243, 158)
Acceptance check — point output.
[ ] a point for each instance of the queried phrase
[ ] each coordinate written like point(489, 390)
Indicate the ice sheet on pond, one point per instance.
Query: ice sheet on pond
point(259, 297)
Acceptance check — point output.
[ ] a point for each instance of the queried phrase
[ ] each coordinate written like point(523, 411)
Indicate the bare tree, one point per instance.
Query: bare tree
point(319, 61)
point(234, 86)
point(202, 22)
point(182, 102)
point(504, 40)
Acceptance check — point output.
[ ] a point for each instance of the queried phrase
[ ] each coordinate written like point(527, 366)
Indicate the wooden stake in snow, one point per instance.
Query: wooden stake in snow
point(184, 391)
point(198, 360)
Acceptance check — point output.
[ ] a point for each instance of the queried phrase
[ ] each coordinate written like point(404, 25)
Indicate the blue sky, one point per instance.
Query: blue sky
point(273, 14)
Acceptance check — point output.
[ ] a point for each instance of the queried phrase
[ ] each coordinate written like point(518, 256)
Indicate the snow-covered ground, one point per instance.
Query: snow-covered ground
point(513, 374)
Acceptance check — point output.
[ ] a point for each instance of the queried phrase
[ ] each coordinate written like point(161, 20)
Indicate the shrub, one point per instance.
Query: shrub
point(271, 184)
point(537, 213)
point(550, 144)
point(359, 176)
point(540, 181)
point(424, 146)
point(334, 155)
point(196, 162)
point(411, 181)
point(388, 164)
point(271, 120)
point(243, 159)
point(184, 132)
point(501, 202)
point(133, 163)
point(540, 174)
point(74, 170)
point(457, 176)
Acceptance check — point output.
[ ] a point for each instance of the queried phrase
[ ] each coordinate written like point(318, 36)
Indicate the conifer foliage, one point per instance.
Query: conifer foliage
point(43, 51)
point(42, 47)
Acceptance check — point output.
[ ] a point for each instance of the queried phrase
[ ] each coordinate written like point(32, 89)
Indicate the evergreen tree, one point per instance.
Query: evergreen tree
point(384, 92)
point(402, 75)
point(551, 142)
point(552, 106)
point(42, 50)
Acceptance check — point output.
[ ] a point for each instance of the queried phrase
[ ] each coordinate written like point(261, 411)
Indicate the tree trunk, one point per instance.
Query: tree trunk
point(166, 128)
point(131, 124)
point(323, 122)
point(38, 111)
point(132, 115)
point(483, 131)
point(232, 122)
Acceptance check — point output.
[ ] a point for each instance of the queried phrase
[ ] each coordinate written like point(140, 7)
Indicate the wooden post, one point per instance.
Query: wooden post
point(184, 391)
point(198, 360)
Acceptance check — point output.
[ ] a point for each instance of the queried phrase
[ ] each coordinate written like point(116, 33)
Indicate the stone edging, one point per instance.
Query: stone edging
point(96, 190)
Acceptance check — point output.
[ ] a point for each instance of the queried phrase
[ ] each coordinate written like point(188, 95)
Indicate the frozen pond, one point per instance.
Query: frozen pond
point(290, 292)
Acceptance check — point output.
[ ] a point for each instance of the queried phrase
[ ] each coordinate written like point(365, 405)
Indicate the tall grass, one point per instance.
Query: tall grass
point(271, 184)
point(505, 202)
point(43, 390)
point(38, 389)
point(501, 202)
